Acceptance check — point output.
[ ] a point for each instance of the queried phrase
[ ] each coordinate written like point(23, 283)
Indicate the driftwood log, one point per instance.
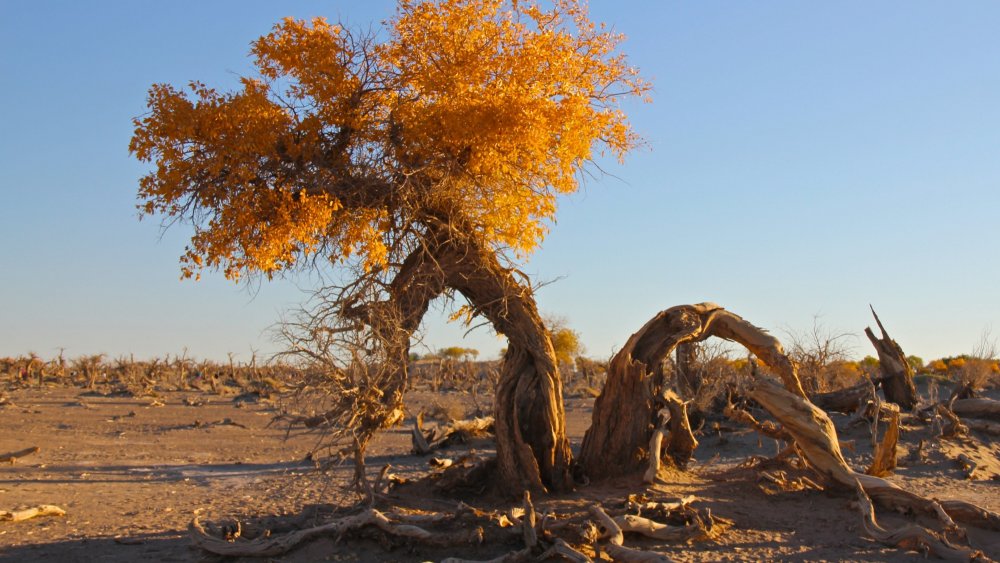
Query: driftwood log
point(845, 400)
point(624, 416)
point(977, 408)
point(897, 374)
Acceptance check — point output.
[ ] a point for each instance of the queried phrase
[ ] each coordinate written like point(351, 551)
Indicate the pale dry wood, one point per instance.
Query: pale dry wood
point(952, 426)
point(657, 530)
point(977, 408)
point(29, 513)
point(616, 539)
point(682, 442)
point(655, 453)
point(885, 452)
point(817, 440)
point(417, 437)
point(12, 457)
point(278, 544)
point(912, 537)
point(564, 550)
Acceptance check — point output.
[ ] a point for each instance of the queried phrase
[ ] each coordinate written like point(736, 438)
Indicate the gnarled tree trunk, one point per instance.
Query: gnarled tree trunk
point(624, 413)
point(533, 451)
point(897, 375)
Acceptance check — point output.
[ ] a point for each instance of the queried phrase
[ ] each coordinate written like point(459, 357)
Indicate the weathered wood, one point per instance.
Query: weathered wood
point(682, 441)
point(897, 374)
point(656, 530)
point(843, 400)
point(12, 457)
point(624, 413)
point(273, 545)
point(885, 451)
point(911, 537)
point(655, 453)
point(977, 408)
point(616, 539)
point(29, 513)
point(817, 440)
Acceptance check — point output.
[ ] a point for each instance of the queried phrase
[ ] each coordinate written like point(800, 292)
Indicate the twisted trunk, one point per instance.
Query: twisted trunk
point(532, 448)
point(624, 413)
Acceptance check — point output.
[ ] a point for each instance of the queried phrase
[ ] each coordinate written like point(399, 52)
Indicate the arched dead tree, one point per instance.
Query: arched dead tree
point(625, 412)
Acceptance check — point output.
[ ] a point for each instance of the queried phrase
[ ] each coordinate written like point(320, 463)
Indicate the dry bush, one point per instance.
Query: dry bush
point(823, 358)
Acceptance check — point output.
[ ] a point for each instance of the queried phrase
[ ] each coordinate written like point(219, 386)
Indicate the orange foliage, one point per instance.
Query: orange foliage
point(478, 110)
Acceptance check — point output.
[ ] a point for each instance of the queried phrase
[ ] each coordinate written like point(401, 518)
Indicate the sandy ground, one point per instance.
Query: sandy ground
point(131, 476)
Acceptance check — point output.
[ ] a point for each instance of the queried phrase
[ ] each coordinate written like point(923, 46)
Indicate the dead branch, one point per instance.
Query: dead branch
point(767, 428)
point(656, 530)
point(12, 457)
point(268, 546)
point(952, 426)
point(911, 537)
point(29, 513)
point(817, 440)
point(616, 539)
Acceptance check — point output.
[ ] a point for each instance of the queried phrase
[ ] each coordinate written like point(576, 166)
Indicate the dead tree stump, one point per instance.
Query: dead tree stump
point(897, 375)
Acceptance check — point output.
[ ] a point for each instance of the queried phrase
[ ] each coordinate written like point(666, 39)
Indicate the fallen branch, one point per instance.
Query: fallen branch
point(617, 551)
point(911, 537)
point(14, 456)
point(656, 530)
point(29, 513)
point(269, 546)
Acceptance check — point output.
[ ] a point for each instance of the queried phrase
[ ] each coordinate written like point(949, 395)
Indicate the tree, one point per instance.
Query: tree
point(565, 341)
point(422, 159)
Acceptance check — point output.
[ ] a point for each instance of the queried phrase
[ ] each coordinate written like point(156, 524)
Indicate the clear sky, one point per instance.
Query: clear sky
point(802, 159)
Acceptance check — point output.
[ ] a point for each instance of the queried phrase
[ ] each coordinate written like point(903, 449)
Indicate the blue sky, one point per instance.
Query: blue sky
point(802, 159)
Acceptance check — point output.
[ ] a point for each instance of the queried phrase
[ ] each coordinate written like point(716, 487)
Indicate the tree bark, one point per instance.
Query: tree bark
point(624, 413)
point(897, 375)
point(533, 451)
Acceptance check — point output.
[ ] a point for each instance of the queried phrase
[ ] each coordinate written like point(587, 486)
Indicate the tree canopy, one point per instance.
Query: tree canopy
point(344, 143)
